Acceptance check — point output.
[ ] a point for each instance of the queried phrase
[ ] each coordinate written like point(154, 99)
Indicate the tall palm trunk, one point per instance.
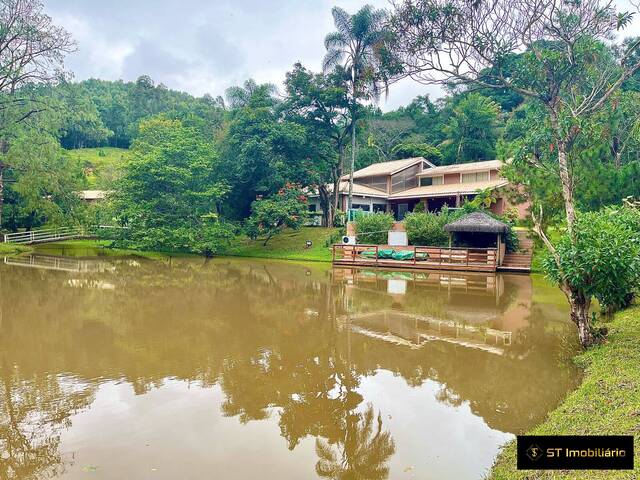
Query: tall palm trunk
point(353, 137)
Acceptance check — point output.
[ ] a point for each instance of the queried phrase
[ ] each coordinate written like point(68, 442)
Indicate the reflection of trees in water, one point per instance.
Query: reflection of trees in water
point(361, 453)
point(267, 334)
point(33, 414)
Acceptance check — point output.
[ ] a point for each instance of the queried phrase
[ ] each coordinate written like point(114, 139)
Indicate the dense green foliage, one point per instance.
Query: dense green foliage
point(167, 196)
point(373, 228)
point(426, 228)
point(604, 260)
point(285, 209)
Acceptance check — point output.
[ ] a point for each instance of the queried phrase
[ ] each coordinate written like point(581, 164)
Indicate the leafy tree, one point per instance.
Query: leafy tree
point(358, 48)
point(32, 50)
point(386, 133)
point(285, 209)
point(409, 150)
point(83, 126)
point(260, 152)
point(43, 181)
point(471, 130)
point(604, 262)
point(566, 68)
point(319, 102)
point(168, 194)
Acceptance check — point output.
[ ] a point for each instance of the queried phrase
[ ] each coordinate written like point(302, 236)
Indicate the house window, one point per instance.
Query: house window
point(379, 182)
point(475, 177)
point(427, 181)
point(405, 179)
point(360, 206)
point(312, 207)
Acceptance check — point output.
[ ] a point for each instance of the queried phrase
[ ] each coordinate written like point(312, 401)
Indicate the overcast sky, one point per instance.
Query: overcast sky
point(205, 46)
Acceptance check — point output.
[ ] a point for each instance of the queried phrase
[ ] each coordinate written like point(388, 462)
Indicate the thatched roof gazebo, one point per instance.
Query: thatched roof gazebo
point(477, 222)
point(481, 229)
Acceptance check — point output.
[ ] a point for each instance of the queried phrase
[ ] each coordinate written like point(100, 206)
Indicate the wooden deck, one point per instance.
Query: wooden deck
point(424, 258)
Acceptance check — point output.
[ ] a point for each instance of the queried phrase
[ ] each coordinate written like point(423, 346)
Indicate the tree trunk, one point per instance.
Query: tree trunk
point(567, 186)
point(563, 163)
point(580, 303)
point(326, 205)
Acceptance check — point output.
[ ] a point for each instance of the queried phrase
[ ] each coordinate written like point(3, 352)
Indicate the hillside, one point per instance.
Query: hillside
point(101, 165)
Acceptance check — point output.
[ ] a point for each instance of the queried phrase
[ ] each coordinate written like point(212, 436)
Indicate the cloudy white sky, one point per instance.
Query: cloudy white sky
point(205, 46)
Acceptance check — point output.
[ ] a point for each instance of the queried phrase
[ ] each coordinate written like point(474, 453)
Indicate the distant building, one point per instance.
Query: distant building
point(92, 196)
point(398, 186)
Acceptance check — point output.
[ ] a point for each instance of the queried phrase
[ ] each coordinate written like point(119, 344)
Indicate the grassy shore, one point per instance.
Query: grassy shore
point(290, 245)
point(13, 249)
point(607, 403)
point(94, 248)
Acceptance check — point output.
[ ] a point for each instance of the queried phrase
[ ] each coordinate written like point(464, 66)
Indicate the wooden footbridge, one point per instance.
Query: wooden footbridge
point(47, 235)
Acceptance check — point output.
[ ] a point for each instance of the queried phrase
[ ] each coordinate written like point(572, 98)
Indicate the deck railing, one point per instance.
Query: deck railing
point(442, 257)
point(44, 235)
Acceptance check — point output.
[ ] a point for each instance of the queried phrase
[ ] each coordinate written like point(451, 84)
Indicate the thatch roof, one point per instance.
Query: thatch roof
point(477, 222)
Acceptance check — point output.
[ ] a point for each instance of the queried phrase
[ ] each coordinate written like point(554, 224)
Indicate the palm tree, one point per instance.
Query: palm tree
point(356, 47)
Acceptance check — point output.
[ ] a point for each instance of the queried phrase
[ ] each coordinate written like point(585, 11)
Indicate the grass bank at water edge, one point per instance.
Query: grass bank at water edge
point(289, 245)
point(606, 403)
point(13, 249)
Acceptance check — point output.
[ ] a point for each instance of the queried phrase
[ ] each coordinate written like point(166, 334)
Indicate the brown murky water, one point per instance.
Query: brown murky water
point(243, 369)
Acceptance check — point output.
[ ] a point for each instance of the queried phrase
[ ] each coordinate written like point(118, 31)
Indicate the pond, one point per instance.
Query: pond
point(127, 368)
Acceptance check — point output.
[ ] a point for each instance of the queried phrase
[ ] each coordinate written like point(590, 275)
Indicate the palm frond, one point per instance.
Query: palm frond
point(335, 40)
point(332, 59)
point(343, 21)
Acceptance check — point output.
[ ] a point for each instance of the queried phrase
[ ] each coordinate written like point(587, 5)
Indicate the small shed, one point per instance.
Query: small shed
point(479, 230)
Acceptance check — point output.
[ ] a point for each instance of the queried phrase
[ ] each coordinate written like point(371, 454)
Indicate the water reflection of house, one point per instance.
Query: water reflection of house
point(480, 311)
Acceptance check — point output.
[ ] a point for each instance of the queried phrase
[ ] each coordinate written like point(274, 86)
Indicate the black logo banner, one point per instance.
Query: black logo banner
point(573, 452)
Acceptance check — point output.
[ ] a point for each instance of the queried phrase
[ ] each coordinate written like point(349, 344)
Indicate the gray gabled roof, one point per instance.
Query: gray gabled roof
point(477, 222)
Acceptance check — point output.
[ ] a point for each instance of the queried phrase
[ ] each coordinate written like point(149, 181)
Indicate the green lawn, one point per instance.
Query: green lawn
point(290, 245)
point(607, 403)
point(104, 163)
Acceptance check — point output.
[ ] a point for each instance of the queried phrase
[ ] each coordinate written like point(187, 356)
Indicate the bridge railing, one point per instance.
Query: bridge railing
point(44, 235)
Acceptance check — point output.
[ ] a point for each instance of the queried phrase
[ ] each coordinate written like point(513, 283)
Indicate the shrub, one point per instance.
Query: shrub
point(335, 237)
point(419, 208)
point(285, 209)
point(427, 228)
point(604, 260)
point(373, 228)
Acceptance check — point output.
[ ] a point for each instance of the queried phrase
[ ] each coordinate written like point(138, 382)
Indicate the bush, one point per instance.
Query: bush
point(335, 237)
point(604, 261)
point(427, 228)
point(285, 209)
point(373, 228)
